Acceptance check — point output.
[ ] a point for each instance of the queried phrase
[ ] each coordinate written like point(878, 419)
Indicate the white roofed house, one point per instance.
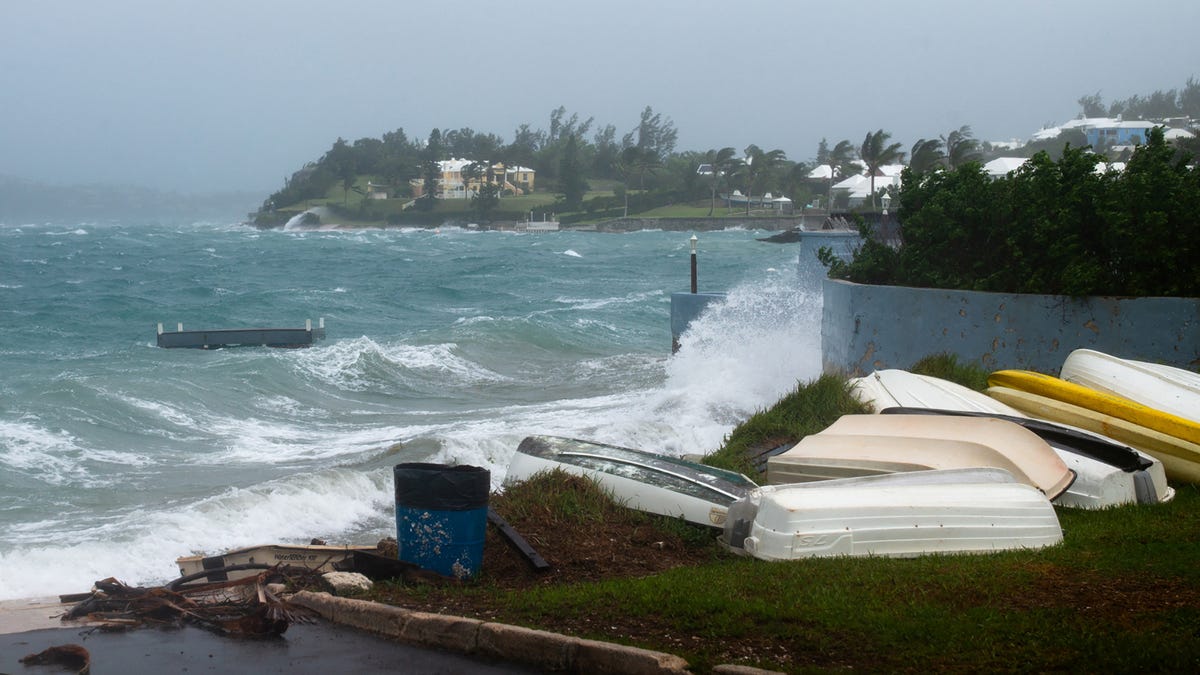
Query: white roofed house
point(857, 189)
point(1002, 166)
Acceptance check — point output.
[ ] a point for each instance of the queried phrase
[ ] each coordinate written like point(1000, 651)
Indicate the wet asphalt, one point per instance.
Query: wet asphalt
point(321, 647)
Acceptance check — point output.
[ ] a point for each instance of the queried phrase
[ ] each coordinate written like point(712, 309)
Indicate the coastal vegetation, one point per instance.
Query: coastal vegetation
point(1122, 589)
point(1072, 226)
point(587, 172)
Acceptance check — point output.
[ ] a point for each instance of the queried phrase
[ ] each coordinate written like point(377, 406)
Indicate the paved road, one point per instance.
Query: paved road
point(322, 648)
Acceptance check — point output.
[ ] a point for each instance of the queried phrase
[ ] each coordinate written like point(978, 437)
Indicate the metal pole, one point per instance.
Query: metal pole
point(693, 240)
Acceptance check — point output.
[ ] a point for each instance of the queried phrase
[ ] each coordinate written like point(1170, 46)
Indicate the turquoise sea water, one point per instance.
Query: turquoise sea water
point(446, 345)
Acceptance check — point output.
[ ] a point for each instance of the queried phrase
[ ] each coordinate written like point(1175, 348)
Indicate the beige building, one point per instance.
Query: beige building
point(453, 185)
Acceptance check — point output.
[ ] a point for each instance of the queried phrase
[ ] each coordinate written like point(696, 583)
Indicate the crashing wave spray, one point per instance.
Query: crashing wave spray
point(739, 356)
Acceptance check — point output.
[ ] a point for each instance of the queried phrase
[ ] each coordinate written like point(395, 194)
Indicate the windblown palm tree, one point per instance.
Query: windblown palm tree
point(876, 152)
point(961, 147)
point(926, 154)
point(758, 164)
point(721, 162)
point(841, 159)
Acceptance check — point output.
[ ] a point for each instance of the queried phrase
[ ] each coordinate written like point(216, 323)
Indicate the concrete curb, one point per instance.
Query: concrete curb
point(537, 648)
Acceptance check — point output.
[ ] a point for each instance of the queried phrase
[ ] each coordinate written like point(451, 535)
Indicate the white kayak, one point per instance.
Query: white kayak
point(645, 481)
point(1108, 473)
point(896, 515)
point(1171, 390)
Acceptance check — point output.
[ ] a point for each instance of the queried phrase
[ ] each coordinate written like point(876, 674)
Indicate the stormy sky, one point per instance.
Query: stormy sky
point(206, 95)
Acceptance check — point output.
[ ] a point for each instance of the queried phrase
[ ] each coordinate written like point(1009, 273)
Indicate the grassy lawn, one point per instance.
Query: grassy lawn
point(1121, 593)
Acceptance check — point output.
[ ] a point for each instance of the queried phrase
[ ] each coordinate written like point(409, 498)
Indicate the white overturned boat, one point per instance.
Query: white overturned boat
point(645, 481)
point(896, 515)
point(1108, 473)
point(317, 557)
point(1171, 390)
point(860, 445)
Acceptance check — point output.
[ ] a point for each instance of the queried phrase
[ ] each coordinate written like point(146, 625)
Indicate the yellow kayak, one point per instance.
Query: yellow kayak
point(1102, 402)
point(1180, 458)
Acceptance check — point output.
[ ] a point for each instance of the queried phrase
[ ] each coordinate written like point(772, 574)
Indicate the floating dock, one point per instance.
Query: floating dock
point(242, 337)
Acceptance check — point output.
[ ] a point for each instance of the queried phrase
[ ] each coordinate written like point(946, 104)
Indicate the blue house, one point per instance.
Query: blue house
point(1116, 132)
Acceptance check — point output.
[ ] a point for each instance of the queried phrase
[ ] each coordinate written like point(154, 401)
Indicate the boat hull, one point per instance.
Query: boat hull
point(644, 481)
point(1031, 457)
point(895, 515)
point(1103, 477)
point(1171, 390)
point(315, 557)
point(1102, 402)
point(1180, 458)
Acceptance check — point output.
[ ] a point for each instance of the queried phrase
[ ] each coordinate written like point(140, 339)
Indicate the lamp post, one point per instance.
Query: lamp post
point(693, 241)
point(883, 224)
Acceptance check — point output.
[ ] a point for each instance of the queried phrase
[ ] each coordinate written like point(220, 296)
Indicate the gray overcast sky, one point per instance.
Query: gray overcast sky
point(199, 95)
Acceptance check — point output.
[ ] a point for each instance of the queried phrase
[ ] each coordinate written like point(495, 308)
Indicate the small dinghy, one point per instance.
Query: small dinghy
point(1171, 390)
point(645, 481)
point(1107, 473)
point(1104, 468)
point(863, 445)
point(1033, 460)
point(1179, 458)
point(894, 515)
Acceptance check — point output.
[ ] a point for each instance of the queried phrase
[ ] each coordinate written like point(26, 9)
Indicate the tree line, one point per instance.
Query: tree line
point(644, 169)
point(1052, 227)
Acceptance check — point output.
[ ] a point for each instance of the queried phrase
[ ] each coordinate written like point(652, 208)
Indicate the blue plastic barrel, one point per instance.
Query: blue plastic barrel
point(441, 516)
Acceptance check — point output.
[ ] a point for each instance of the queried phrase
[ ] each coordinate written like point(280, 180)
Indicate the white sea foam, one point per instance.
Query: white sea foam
point(599, 303)
point(140, 547)
point(44, 455)
point(572, 253)
point(363, 364)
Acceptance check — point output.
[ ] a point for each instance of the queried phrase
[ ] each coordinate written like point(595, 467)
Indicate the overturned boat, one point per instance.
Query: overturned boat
point(895, 515)
point(253, 559)
point(645, 481)
point(1108, 472)
point(863, 445)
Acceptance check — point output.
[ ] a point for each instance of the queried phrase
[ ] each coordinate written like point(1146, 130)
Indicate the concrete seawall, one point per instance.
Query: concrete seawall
point(866, 328)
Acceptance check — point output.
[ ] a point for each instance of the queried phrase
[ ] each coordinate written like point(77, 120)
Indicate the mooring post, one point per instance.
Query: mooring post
point(308, 325)
point(179, 327)
point(160, 328)
point(694, 240)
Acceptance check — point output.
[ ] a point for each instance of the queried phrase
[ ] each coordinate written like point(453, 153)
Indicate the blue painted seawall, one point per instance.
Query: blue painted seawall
point(866, 328)
point(685, 307)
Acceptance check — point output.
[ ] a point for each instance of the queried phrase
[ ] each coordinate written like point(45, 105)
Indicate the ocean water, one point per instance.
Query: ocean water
point(116, 457)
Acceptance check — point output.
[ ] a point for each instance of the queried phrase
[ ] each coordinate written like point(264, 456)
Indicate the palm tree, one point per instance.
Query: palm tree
point(875, 153)
point(720, 162)
point(926, 154)
point(961, 147)
point(841, 158)
point(758, 164)
point(472, 172)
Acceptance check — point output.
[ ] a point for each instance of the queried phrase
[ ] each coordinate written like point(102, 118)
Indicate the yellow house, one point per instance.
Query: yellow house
point(453, 185)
